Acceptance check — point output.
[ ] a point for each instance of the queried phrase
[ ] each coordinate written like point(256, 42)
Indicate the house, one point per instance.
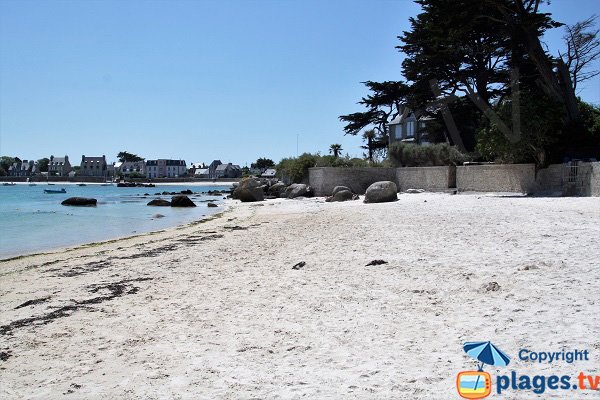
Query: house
point(228, 170)
point(407, 127)
point(202, 173)
point(93, 166)
point(163, 168)
point(23, 168)
point(212, 169)
point(196, 166)
point(128, 168)
point(59, 166)
point(269, 173)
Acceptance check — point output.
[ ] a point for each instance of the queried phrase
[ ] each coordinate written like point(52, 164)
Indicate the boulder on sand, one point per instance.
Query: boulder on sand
point(381, 192)
point(80, 201)
point(181, 201)
point(276, 189)
point(342, 195)
point(339, 189)
point(159, 203)
point(297, 190)
point(249, 189)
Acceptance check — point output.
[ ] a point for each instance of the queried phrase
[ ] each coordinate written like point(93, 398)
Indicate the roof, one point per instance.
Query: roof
point(93, 159)
point(223, 167)
point(57, 161)
point(203, 171)
point(269, 172)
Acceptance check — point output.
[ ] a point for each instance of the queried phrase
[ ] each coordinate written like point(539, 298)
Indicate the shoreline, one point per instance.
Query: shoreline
point(220, 310)
point(66, 249)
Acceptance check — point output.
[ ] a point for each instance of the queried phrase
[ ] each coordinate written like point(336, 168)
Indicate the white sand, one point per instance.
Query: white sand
point(226, 317)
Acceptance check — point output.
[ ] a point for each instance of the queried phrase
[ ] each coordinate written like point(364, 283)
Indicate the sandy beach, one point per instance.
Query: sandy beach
point(215, 310)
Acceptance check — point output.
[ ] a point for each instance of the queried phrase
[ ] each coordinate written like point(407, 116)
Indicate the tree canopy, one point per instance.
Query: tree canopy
point(479, 71)
point(125, 156)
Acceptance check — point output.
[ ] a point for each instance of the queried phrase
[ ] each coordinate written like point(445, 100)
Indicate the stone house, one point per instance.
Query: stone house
point(163, 168)
point(228, 170)
point(93, 166)
point(407, 127)
point(212, 169)
point(59, 166)
point(23, 168)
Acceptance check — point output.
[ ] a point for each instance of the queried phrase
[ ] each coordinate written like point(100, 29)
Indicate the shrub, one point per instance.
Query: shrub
point(415, 155)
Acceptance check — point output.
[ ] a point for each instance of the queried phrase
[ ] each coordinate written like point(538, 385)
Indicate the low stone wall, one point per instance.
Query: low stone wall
point(519, 178)
point(595, 180)
point(549, 180)
point(428, 178)
point(324, 179)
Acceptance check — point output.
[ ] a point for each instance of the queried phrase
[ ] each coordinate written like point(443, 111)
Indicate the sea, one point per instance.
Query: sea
point(32, 221)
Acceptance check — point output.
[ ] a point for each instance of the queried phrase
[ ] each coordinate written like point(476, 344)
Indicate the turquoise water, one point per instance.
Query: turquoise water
point(32, 221)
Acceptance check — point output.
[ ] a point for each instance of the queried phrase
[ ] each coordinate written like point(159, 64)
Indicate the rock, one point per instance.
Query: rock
point(248, 190)
point(158, 216)
point(80, 201)
point(159, 203)
point(491, 287)
point(188, 191)
point(298, 190)
point(339, 189)
point(270, 197)
point(415, 190)
point(212, 205)
point(181, 201)
point(381, 192)
point(342, 195)
point(276, 189)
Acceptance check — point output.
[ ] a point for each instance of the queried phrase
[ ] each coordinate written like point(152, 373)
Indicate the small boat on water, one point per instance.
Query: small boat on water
point(33, 184)
point(55, 191)
point(8, 184)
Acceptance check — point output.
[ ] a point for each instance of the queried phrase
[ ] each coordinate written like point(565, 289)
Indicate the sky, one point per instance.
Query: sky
point(201, 80)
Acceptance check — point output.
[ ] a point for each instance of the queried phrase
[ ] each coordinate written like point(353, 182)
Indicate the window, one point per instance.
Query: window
point(410, 129)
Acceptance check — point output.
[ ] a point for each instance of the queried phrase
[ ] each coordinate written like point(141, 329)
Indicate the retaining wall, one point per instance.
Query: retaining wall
point(324, 179)
point(427, 178)
point(518, 178)
point(595, 180)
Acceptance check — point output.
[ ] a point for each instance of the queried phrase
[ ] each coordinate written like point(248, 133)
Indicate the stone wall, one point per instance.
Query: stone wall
point(518, 178)
point(549, 180)
point(595, 180)
point(428, 178)
point(324, 179)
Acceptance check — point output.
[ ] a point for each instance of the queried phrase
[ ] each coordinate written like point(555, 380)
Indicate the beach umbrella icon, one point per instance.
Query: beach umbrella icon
point(486, 353)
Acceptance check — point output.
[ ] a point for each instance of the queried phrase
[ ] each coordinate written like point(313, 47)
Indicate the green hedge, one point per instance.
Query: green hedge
point(415, 155)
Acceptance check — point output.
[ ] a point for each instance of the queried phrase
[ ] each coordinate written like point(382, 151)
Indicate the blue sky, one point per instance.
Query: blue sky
point(199, 80)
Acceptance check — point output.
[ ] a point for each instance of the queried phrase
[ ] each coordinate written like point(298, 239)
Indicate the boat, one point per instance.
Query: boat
point(81, 184)
point(8, 184)
point(55, 191)
point(33, 184)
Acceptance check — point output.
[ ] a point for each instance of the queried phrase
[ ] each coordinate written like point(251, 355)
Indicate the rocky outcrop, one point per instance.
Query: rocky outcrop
point(342, 195)
point(381, 192)
point(181, 201)
point(80, 202)
point(339, 189)
point(248, 190)
point(212, 205)
point(298, 190)
point(159, 203)
point(276, 189)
